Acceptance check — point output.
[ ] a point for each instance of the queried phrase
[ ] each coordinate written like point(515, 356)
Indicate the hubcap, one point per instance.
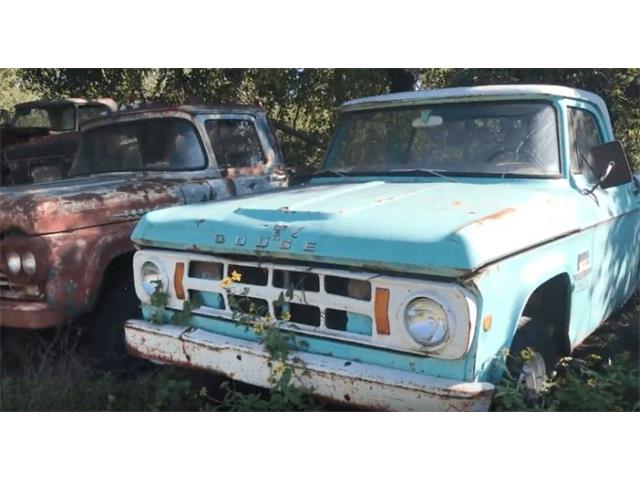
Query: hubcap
point(534, 373)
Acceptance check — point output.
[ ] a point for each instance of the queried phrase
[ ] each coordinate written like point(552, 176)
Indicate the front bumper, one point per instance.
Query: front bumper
point(354, 383)
point(26, 314)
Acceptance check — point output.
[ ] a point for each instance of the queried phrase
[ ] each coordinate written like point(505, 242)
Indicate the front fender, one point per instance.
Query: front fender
point(504, 289)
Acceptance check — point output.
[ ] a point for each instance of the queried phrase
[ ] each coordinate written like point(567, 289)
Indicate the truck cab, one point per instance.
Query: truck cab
point(447, 232)
point(65, 246)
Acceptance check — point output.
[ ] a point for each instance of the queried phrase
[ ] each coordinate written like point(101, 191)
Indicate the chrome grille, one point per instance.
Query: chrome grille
point(360, 307)
point(16, 291)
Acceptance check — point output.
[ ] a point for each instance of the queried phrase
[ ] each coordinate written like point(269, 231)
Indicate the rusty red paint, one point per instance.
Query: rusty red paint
point(76, 227)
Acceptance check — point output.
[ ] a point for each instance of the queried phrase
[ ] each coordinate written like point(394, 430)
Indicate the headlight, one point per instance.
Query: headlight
point(29, 264)
point(14, 264)
point(151, 275)
point(426, 321)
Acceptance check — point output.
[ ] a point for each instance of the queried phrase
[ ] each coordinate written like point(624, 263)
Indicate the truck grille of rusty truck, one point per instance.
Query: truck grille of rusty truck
point(14, 291)
point(360, 307)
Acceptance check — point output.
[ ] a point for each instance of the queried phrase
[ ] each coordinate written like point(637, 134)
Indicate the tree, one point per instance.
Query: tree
point(306, 99)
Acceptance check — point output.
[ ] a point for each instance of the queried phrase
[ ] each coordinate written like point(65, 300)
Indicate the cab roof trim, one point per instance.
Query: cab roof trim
point(478, 92)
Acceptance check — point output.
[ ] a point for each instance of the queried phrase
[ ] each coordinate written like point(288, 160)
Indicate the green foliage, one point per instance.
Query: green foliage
point(603, 376)
point(306, 99)
point(188, 306)
point(590, 384)
point(285, 393)
point(158, 303)
point(13, 89)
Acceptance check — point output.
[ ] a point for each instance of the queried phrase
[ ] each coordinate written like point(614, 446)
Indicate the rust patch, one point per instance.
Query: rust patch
point(496, 216)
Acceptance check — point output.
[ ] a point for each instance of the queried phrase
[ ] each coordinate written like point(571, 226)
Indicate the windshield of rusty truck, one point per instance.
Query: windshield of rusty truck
point(158, 144)
point(54, 117)
point(482, 138)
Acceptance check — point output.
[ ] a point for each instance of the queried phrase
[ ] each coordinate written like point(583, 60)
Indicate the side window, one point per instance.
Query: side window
point(583, 136)
point(235, 143)
point(88, 112)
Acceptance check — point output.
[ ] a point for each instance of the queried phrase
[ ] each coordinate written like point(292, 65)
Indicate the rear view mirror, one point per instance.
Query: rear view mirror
point(611, 164)
point(426, 120)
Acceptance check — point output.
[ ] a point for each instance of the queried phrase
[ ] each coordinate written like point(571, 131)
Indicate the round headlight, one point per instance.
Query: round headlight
point(151, 276)
point(29, 263)
point(426, 321)
point(14, 264)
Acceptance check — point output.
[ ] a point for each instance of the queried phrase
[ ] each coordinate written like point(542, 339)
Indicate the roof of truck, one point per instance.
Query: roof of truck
point(170, 110)
point(108, 102)
point(425, 96)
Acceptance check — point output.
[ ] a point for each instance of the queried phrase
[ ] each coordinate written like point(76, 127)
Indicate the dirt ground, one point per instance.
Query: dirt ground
point(52, 370)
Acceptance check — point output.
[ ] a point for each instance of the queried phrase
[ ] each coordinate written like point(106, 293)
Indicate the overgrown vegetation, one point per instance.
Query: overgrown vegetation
point(603, 374)
point(52, 371)
point(285, 392)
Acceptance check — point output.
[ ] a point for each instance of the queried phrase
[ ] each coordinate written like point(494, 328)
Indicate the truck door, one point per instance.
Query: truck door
point(246, 155)
point(615, 257)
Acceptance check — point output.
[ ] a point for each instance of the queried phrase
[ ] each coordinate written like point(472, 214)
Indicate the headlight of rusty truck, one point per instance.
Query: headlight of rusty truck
point(24, 259)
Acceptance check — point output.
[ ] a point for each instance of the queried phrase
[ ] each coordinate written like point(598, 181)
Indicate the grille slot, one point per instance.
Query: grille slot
point(293, 294)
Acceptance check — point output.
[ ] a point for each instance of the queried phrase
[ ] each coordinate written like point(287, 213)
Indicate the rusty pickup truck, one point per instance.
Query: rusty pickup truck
point(41, 139)
point(64, 245)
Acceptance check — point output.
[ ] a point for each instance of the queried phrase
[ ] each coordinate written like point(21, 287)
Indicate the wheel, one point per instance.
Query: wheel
point(533, 354)
point(117, 303)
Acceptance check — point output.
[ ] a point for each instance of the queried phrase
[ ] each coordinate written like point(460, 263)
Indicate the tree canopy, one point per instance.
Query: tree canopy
point(306, 99)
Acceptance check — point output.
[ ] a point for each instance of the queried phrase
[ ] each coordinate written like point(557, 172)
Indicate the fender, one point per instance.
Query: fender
point(507, 286)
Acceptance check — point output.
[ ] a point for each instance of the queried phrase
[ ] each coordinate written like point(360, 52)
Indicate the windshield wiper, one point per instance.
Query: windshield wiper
point(330, 172)
point(435, 173)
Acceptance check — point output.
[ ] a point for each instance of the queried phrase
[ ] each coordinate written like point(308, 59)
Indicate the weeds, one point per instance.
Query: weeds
point(604, 374)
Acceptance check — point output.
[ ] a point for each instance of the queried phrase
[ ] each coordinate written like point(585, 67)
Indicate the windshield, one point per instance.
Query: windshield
point(167, 144)
point(54, 117)
point(466, 138)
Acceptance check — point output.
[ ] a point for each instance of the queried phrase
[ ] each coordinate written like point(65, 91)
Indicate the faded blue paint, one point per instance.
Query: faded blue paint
point(455, 234)
point(212, 300)
point(501, 237)
point(357, 323)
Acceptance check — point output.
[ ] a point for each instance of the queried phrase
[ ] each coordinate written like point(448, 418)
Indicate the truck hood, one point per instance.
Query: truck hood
point(81, 202)
point(434, 227)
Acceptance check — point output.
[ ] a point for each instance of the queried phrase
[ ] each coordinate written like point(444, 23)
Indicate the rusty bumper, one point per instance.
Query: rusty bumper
point(24, 314)
point(360, 384)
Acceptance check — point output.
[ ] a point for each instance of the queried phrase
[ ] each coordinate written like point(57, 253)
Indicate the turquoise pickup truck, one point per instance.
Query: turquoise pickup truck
point(445, 228)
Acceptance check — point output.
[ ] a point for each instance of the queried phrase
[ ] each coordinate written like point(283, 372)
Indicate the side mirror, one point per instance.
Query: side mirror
point(610, 163)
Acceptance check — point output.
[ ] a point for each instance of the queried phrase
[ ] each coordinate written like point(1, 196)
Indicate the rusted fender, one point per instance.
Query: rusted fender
point(79, 203)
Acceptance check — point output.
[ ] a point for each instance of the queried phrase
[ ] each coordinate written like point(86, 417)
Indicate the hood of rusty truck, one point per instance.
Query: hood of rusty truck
point(82, 202)
point(433, 227)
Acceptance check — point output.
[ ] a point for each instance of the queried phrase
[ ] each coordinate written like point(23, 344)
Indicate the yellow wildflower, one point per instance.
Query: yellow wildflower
point(278, 368)
point(258, 328)
point(286, 316)
point(592, 382)
point(226, 282)
point(235, 276)
point(267, 318)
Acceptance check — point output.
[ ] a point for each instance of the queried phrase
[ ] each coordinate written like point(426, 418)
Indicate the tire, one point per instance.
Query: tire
point(117, 303)
point(533, 355)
